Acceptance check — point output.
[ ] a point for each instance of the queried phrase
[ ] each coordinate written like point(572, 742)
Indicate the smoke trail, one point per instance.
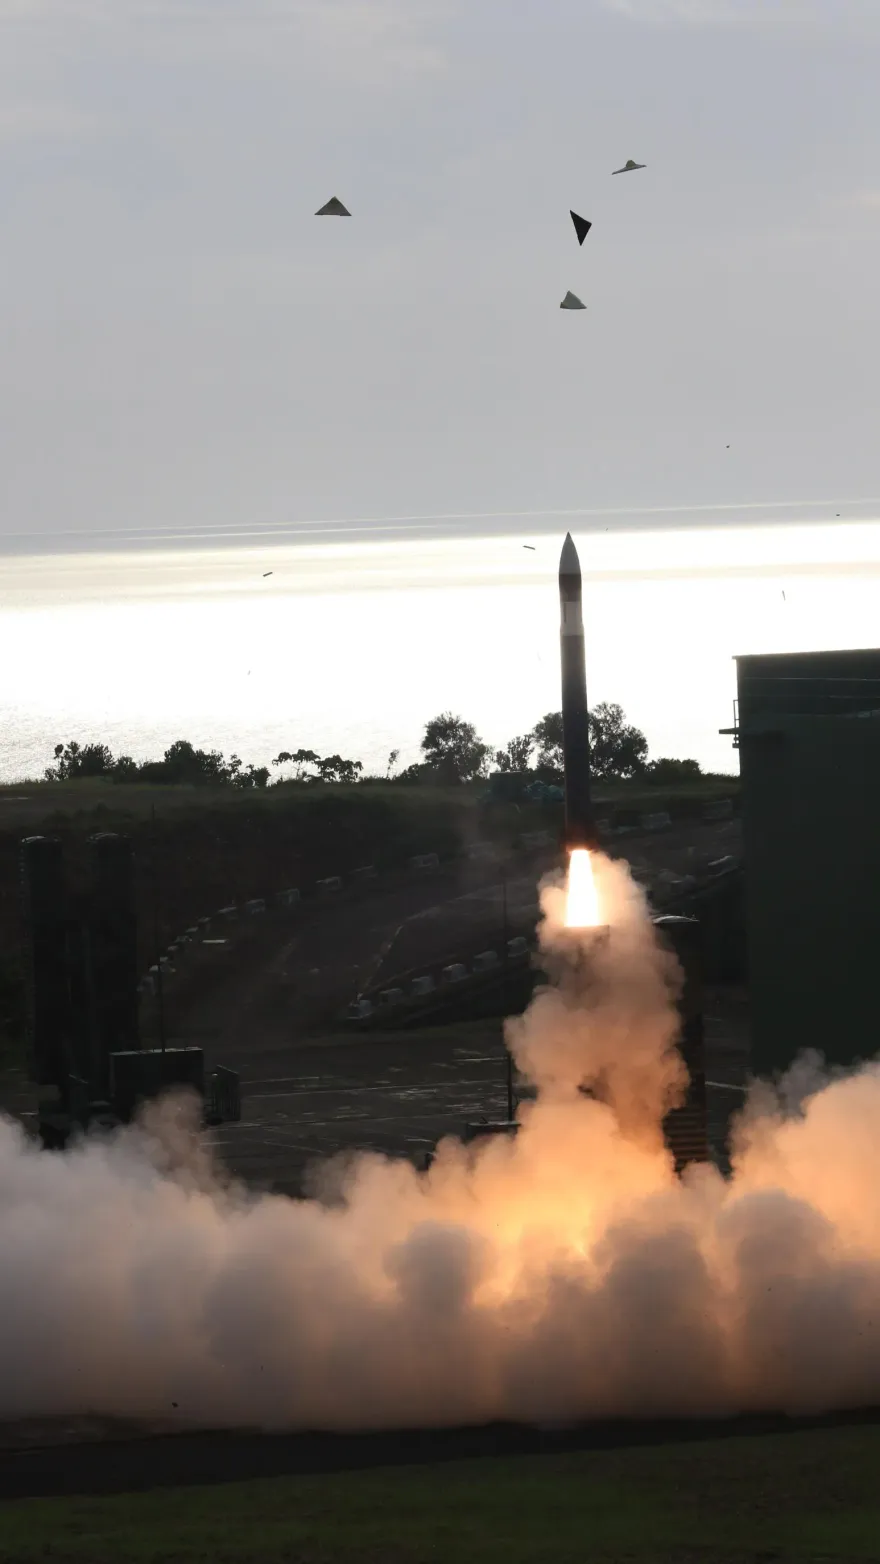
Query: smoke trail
point(563, 1275)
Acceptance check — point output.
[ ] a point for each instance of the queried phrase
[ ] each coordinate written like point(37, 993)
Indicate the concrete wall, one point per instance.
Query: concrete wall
point(811, 839)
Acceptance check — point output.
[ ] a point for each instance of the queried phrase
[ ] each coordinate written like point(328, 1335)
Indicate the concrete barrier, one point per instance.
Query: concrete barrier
point(390, 997)
point(331, 886)
point(454, 973)
point(360, 1009)
point(661, 820)
point(228, 914)
point(288, 898)
point(204, 925)
point(517, 946)
point(482, 852)
point(368, 875)
point(422, 861)
point(423, 985)
point(485, 960)
point(255, 906)
point(718, 809)
point(533, 839)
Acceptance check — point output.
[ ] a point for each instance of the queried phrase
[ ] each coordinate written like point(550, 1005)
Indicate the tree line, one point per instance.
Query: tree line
point(452, 753)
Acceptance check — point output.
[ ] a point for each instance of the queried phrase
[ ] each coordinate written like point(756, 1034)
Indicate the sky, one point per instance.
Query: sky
point(187, 355)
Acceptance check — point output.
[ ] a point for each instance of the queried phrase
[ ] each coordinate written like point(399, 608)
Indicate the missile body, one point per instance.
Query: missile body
point(580, 824)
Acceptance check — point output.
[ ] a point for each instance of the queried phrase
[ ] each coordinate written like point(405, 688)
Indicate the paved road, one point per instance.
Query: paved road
point(398, 1093)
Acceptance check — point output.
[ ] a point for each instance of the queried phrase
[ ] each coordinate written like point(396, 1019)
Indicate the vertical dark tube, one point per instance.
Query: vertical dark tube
point(46, 919)
point(686, 1129)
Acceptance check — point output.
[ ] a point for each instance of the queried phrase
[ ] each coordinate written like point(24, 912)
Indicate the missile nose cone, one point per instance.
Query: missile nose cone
point(569, 564)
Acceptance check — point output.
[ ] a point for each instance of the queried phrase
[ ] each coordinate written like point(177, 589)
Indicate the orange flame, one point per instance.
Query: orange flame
point(582, 902)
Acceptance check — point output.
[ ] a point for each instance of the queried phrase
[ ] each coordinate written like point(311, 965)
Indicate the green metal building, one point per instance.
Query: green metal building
point(807, 726)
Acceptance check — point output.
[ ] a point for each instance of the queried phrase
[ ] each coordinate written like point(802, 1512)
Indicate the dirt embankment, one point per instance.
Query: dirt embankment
point(206, 848)
point(205, 851)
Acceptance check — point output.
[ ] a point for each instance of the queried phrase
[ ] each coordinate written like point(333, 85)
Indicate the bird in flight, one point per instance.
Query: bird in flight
point(629, 167)
point(529, 545)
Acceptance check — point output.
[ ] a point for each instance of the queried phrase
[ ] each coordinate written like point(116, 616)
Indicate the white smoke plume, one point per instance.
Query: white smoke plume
point(607, 1019)
point(563, 1275)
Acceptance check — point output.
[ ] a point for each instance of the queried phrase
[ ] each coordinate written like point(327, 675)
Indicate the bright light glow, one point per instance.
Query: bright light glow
point(582, 902)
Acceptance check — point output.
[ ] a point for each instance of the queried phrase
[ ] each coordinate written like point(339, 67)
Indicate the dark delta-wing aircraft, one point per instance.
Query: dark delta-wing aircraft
point(628, 167)
point(572, 302)
point(333, 208)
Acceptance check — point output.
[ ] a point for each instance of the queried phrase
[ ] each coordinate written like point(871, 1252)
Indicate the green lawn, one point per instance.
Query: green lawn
point(800, 1496)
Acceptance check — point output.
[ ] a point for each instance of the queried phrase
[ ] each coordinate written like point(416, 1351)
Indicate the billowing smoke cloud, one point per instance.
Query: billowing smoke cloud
point(607, 1019)
point(563, 1275)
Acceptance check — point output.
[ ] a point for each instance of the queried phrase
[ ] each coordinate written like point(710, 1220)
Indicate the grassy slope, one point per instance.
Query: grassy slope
point(797, 1496)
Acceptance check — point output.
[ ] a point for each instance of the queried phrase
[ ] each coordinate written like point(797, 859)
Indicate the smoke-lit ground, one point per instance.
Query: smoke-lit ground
point(556, 1277)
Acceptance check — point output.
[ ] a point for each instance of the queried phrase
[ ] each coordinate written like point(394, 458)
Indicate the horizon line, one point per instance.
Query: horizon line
point(340, 527)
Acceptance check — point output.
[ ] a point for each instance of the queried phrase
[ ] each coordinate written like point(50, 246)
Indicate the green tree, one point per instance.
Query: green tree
point(419, 771)
point(453, 750)
point(667, 772)
point(182, 763)
point(547, 738)
point(248, 776)
point(330, 768)
point(516, 755)
point(125, 769)
point(334, 769)
point(301, 758)
point(74, 760)
point(617, 749)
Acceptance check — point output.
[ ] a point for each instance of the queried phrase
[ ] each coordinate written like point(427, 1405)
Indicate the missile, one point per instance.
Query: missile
point(580, 824)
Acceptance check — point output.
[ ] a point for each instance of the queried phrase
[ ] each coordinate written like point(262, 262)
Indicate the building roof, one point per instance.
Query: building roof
point(816, 684)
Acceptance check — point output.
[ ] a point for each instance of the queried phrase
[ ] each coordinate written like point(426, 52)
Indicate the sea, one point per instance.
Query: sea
point(349, 645)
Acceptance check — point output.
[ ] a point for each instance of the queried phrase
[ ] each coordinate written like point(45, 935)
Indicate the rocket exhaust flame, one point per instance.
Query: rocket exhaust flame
point(582, 900)
point(561, 1274)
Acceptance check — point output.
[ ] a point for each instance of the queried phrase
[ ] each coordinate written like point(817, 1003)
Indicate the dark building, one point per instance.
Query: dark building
point(807, 726)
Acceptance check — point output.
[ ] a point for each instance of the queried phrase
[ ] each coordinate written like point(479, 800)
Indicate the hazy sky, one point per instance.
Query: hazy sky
point(183, 346)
